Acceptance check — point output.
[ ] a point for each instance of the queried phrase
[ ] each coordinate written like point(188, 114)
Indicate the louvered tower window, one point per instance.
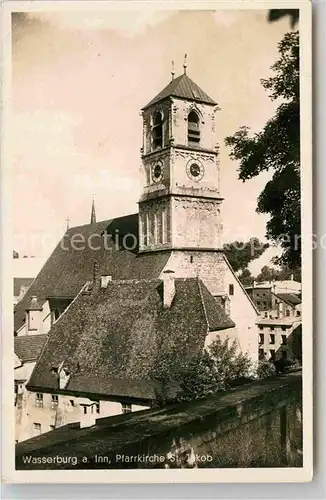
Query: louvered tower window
point(157, 131)
point(193, 129)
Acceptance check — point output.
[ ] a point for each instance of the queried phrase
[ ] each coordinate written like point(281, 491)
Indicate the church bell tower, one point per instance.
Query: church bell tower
point(180, 204)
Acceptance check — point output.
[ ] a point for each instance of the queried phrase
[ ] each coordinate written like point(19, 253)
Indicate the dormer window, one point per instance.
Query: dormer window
point(193, 129)
point(157, 130)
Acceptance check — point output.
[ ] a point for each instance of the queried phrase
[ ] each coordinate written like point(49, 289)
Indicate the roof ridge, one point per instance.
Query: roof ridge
point(89, 224)
point(133, 280)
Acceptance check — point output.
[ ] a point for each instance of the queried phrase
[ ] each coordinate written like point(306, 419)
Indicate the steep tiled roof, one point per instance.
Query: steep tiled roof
point(182, 87)
point(290, 298)
point(216, 317)
point(70, 266)
point(28, 347)
point(111, 340)
point(19, 282)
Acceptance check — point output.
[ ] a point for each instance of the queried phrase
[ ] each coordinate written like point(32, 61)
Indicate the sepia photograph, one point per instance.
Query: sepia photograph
point(160, 257)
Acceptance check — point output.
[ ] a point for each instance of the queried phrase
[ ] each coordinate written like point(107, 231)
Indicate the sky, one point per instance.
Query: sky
point(79, 80)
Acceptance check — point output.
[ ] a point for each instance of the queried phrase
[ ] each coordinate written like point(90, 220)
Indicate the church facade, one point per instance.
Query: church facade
point(109, 315)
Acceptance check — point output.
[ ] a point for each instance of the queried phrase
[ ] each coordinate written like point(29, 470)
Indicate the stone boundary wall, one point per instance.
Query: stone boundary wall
point(258, 424)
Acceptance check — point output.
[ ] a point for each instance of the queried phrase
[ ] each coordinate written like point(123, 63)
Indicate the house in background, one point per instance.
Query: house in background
point(270, 299)
point(26, 351)
point(24, 271)
point(279, 321)
point(280, 326)
point(277, 286)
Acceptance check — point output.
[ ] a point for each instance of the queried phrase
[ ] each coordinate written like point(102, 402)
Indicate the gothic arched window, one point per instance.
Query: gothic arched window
point(193, 129)
point(157, 130)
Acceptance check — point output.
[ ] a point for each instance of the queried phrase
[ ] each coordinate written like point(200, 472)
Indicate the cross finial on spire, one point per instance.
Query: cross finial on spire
point(185, 65)
point(172, 71)
point(67, 221)
point(93, 214)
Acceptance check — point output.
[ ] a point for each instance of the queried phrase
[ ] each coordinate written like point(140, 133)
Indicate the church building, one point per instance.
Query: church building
point(148, 282)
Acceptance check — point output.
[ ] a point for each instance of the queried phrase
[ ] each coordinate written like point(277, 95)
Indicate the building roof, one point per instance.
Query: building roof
point(286, 321)
point(33, 304)
point(216, 316)
point(71, 263)
point(111, 340)
point(28, 347)
point(19, 282)
point(185, 88)
point(286, 286)
point(290, 298)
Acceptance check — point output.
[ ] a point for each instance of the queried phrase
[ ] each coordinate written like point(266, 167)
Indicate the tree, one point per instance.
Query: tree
point(277, 148)
point(240, 253)
point(267, 274)
point(270, 274)
point(213, 370)
point(246, 277)
point(276, 14)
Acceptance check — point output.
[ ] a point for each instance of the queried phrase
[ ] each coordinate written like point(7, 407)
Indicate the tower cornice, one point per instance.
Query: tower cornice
point(183, 193)
point(173, 147)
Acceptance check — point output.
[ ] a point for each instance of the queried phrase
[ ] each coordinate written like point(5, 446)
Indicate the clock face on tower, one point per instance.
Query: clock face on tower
point(157, 171)
point(195, 170)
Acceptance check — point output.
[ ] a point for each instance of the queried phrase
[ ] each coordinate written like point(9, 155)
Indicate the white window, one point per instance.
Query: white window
point(54, 401)
point(39, 400)
point(125, 408)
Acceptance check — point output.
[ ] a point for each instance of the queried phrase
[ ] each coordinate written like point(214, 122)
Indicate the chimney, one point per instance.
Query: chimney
point(88, 414)
point(33, 316)
point(168, 288)
point(105, 280)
